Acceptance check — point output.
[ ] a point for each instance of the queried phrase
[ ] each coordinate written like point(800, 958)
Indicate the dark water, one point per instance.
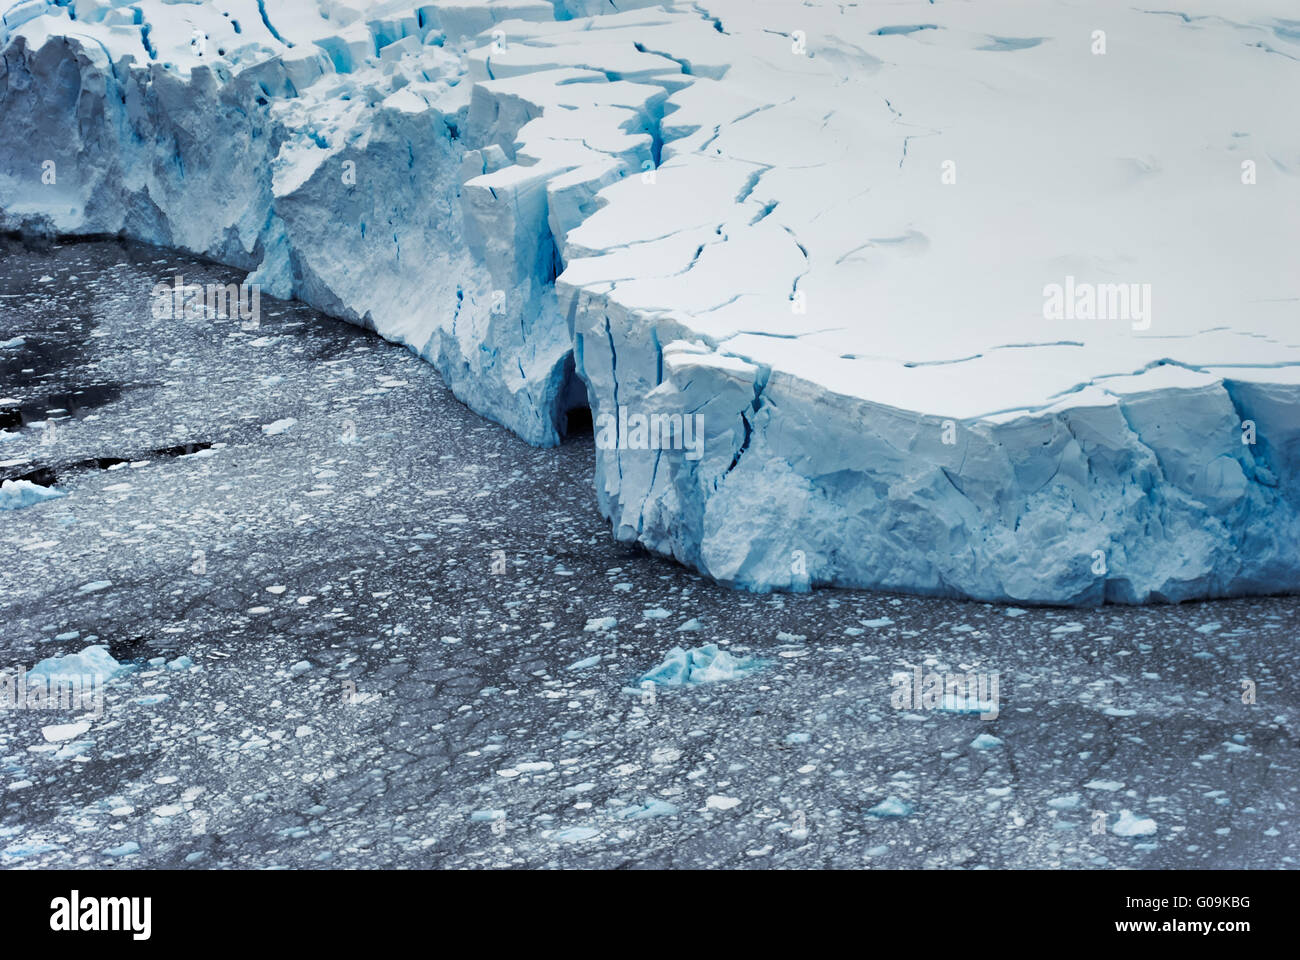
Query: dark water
point(386, 605)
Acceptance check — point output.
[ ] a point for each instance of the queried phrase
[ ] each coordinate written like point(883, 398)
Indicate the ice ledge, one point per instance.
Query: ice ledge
point(701, 212)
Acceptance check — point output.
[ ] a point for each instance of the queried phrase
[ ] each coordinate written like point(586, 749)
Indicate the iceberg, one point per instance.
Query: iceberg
point(94, 663)
point(16, 494)
point(706, 664)
point(974, 307)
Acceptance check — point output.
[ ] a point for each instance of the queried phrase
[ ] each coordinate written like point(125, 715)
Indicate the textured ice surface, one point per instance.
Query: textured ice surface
point(842, 237)
point(1129, 825)
point(15, 494)
point(706, 664)
point(94, 662)
point(891, 807)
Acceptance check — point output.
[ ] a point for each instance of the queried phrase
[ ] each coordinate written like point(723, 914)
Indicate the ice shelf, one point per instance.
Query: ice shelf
point(997, 301)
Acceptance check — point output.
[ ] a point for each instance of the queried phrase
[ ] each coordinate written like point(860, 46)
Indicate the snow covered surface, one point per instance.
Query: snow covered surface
point(967, 300)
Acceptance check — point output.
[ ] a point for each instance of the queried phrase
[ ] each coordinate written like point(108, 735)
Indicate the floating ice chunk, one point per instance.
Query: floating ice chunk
point(58, 732)
point(125, 850)
point(717, 801)
point(16, 494)
point(706, 664)
point(535, 766)
point(575, 834)
point(93, 664)
point(691, 626)
point(1129, 825)
point(487, 816)
point(584, 664)
point(890, 808)
point(600, 623)
point(1110, 786)
point(648, 811)
point(277, 427)
point(986, 741)
point(1069, 801)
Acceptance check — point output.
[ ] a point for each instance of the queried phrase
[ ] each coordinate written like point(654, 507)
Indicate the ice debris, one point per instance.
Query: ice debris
point(16, 494)
point(94, 663)
point(891, 808)
point(706, 664)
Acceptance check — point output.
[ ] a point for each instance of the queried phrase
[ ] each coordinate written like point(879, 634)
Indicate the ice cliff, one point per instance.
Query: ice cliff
point(996, 300)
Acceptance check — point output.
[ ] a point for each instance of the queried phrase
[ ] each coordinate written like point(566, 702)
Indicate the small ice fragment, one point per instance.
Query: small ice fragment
point(576, 834)
point(1110, 786)
point(1130, 826)
point(706, 664)
point(277, 427)
point(58, 732)
point(891, 807)
point(648, 811)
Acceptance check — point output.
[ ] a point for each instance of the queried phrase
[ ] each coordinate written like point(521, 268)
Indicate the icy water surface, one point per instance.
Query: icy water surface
point(410, 640)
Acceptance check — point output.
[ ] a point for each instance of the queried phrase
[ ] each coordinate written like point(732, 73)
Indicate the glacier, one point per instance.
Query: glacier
point(995, 301)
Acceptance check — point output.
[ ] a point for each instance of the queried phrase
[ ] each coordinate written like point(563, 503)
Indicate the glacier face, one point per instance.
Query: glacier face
point(989, 302)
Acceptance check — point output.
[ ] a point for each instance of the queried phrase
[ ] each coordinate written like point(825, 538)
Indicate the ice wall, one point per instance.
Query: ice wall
point(342, 154)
